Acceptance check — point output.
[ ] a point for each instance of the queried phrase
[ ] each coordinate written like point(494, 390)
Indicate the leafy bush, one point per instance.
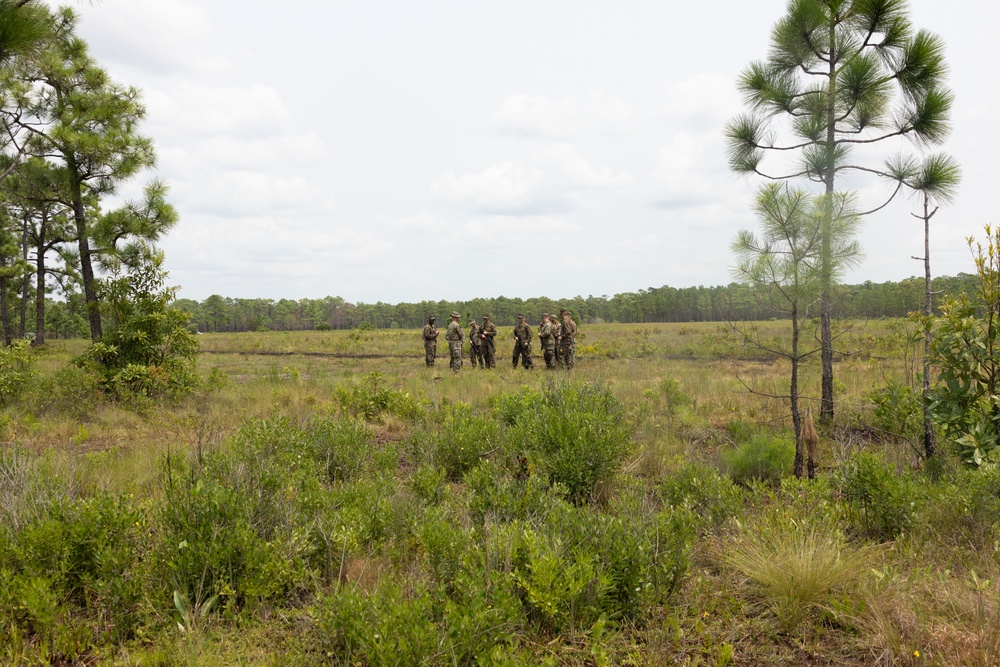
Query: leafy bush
point(72, 390)
point(966, 350)
point(579, 565)
point(880, 502)
point(370, 399)
point(577, 435)
point(704, 490)
point(78, 558)
point(500, 496)
point(17, 367)
point(898, 410)
point(342, 447)
point(765, 458)
point(148, 350)
point(965, 510)
point(464, 439)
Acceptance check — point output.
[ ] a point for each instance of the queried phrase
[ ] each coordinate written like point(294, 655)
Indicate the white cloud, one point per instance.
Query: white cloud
point(246, 192)
point(597, 261)
point(191, 109)
point(507, 230)
point(643, 243)
point(159, 36)
point(554, 180)
point(562, 118)
point(421, 222)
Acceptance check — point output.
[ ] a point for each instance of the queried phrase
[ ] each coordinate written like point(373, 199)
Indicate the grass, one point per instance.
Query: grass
point(767, 576)
point(797, 569)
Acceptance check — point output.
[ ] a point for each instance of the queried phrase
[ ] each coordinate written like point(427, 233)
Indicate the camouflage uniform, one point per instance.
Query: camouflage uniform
point(522, 343)
point(547, 341)
point(430, 341)
point(475, 351)
point(556, 338)
point(568, 342)
point(455, 336)
point(487, 333)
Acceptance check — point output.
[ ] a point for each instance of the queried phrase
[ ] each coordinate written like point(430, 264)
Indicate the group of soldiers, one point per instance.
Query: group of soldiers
point(556, 337)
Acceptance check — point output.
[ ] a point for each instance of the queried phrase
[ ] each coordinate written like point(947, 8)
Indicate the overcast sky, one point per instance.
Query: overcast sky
point(401, 151)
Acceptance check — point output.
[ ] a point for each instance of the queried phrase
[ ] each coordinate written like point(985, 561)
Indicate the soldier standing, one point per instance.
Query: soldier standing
point(430, 334)
point(475, 351)
point(487, 333)
point(454, 335)
point(557, 340)
point(547, 341)
point(522, 343)
point(568, 340)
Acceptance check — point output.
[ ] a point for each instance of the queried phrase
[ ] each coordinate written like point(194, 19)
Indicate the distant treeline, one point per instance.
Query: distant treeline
point(656, 304)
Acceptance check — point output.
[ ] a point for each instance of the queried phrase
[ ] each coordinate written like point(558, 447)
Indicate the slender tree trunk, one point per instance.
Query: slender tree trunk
point(26, 282)
point(4, 312)
point(826, 276)
point(86, 264)
point(794, 394)
point(928, 296)
point(40, 289)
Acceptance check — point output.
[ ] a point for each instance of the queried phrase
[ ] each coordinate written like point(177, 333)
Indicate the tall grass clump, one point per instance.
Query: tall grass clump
point(577, 434)
point(796, 570)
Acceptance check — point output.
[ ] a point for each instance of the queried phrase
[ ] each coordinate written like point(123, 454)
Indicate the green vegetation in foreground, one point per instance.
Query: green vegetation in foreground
point(342, 504)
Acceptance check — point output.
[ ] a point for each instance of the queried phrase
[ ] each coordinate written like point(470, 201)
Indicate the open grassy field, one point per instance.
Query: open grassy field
point(324, 498)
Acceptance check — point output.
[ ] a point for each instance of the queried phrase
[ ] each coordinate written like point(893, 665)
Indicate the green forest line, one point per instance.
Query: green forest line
point(735, 302)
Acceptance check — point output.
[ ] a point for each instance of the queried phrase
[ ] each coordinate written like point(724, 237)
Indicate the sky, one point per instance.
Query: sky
point(402, 151)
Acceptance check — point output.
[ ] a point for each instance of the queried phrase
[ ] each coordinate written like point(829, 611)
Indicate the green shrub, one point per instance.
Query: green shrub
point(500, 496)
point(880, 502)
point(898, 410)
point(73, 391)
point(965, 509)
point(577, 435)
point(673, 398)
point(390, 626)
point(78, 563)
point(464, 439)
point(712, 496)
point(228, 529)
point(147, 349)
point(342, 447)
point(17, 367)
point(764, 458)
point(370, 399)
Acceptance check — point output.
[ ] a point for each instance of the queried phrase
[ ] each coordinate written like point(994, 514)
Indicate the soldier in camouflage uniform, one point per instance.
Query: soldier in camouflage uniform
point(455, 336)
point(568, 340)
point(522, 343)
point(557, 339)
point(430, 334)
point(547, 341)
point(487, 333)
point(475, 342)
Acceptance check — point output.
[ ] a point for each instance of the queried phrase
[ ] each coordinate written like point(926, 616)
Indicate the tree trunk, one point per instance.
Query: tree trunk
point(26, 282)
point(40, 289)
point(86, 265)
point(4, 313)
point(826, 277)
point(928, 296)
point(794, 394)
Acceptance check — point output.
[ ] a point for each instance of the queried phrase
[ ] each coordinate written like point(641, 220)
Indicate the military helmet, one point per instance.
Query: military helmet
point(520, 317)
point(454, 313)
